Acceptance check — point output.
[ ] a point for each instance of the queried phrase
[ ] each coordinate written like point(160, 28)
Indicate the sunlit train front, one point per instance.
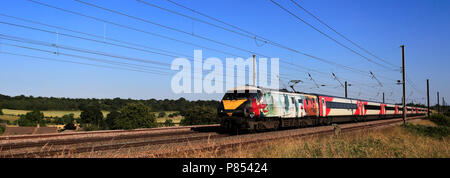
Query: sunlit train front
point(253, 108)
point(238, 107)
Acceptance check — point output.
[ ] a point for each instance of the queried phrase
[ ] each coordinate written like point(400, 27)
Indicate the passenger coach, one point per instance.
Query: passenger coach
point(255, 108)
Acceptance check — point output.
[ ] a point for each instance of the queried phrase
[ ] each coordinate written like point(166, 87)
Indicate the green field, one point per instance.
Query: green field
point(12, 114)
point(76, 113)
point(9, 117)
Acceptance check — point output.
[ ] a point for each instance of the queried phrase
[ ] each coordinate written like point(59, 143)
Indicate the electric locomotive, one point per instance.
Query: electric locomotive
point(255, 108)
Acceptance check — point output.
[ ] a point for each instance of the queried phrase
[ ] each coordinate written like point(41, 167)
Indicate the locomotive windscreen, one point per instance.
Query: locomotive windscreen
point(234, 95)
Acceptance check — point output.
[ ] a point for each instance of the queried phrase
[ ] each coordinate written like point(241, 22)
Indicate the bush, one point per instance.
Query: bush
point(66, 119)
point(161, 114)
point(1, 112)
point(447, 113)
point(32, 119)
point(437, 132)
point(199, 115)
point(90, 127)
point(133, 116)
point(2, 129)
point(70, 126)
point(440, 120)
point(169, 123)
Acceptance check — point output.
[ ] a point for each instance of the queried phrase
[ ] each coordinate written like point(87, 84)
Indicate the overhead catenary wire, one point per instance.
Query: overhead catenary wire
point(93, 35)
point(218, 20)
point(340, 34)
point(328, 36)
point(89, 39)
point(139, 67)
point(139, 30)
point(76, 62)
point(170, 28)
point(84, 57)
point(164, 53)
point(131, 28)
point(150, 33)
point(19, 39)
point(83, 38)
point(59, 53)
point(187, 33)
point(343, 67)
point(220, 79)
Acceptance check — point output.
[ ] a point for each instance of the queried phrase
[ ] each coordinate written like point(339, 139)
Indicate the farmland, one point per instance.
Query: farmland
point(12, 115)
point(176, 119)
point(9, 117)
point(76, 113)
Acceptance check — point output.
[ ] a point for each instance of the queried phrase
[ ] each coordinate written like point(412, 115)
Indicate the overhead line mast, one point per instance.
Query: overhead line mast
point(403, 83)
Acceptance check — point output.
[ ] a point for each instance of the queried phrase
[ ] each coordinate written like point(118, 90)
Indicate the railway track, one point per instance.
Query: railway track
point(21, 137)
point(21, 147)
point(183, 137)
point(40, 154)
point(330, 131)
point(89, 139)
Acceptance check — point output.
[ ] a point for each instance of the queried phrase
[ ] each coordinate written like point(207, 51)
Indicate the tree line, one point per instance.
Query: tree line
point(52, 103)
point(124, 113)
point(131, 116)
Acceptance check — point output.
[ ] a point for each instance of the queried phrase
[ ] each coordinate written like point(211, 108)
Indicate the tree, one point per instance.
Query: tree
point(52, 103)
point(91, 116)
point(66, 119)
point(32, 119)
point(70, 126)
point(110, 118)
point(135, 115)
point(2, 129)
point(168, 123)
point(199, 115)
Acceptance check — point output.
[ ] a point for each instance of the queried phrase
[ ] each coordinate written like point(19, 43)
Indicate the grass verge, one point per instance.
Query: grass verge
point(393, 142)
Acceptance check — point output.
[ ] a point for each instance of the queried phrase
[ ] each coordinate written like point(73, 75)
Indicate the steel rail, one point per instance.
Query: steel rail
point(223, 147)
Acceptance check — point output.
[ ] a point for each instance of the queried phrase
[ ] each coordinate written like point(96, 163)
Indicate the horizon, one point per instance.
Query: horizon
point(194, 100)
point(378, 26)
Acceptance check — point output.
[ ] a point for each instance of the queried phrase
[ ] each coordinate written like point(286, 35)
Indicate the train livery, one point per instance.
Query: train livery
point(254, 108)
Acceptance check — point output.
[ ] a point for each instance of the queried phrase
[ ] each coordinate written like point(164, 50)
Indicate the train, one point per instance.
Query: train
point(253, 108)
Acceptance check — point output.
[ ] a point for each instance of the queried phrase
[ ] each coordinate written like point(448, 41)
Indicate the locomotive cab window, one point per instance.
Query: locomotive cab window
point(236, 95)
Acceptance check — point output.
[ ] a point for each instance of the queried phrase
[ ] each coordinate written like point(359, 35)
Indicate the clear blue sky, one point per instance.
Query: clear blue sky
point(380, 26)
